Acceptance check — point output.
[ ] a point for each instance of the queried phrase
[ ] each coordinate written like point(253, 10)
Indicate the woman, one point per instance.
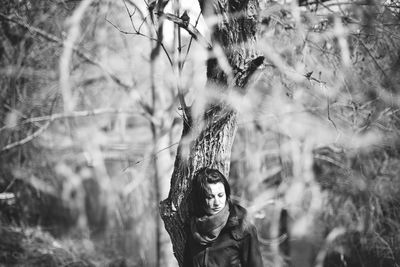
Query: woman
point(219, 233)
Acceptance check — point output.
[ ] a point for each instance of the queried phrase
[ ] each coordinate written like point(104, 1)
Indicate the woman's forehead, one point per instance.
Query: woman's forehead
point(215, 188)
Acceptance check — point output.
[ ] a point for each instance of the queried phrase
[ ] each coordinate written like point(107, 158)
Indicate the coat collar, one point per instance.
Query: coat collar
point(236, 216)
point(236, 221)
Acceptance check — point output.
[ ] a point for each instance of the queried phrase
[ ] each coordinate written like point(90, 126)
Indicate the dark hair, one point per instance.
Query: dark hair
point(200, 190)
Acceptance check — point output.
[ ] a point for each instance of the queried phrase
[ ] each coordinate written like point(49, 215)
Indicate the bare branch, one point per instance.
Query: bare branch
point(74, 114)
point(132, 163)
point(19, 114)
point(141, 14)
point(131, 15)
point(376, 62)
point(191, 40)
point(134, 33)
point(146, 36)
point(192, 30)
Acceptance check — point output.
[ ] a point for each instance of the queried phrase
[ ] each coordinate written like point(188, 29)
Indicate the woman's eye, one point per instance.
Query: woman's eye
point(221, 195)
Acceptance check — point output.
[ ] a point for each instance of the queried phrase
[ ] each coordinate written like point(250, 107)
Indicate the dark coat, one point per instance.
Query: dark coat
point(236, 246)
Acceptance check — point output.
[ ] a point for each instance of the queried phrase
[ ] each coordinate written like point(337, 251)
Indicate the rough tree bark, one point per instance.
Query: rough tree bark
point(207, 139)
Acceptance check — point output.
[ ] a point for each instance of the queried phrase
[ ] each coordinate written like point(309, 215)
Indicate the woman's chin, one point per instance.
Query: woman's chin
point(215, 211)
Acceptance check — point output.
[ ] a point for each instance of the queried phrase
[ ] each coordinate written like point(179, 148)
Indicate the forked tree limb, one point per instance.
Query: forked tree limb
point(192, 30)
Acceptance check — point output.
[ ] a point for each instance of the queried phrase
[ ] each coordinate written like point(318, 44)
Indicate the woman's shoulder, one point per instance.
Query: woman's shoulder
point(238, 222)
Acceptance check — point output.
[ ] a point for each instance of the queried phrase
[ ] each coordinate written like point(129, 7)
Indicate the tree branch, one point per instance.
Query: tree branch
point(76, 114)
point(73, 114)
point(375, 61)
point(191, 40)
point(26, 139)
point(192, 30)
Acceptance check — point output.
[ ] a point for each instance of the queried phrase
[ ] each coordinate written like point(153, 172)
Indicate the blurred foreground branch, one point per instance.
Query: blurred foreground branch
point(27, 139)
point(57, 116)
point(76, 114)
point(66, 57)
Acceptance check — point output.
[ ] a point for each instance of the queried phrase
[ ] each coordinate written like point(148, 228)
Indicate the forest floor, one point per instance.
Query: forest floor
point(35, 247)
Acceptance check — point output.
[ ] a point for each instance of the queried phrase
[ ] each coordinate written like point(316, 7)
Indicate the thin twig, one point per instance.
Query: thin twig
point(133, 163)
point(130, 15)
point(144, 21)
point(181, 96)
point(376, 62)
point(141, 14)
point(146, 36)
point(329, 113)
point(328, 105)
point(190, 41)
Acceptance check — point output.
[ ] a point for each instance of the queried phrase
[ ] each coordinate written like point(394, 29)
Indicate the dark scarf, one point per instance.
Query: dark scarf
point(207, 228)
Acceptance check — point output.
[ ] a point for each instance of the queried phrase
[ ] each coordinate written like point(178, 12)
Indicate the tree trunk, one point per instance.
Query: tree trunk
point(207, 139)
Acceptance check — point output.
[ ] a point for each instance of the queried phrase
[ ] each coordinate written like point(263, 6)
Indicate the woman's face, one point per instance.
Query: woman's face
point(216, 200)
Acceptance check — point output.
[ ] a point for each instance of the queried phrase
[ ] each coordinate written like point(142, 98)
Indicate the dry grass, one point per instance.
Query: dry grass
point(35, 247)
